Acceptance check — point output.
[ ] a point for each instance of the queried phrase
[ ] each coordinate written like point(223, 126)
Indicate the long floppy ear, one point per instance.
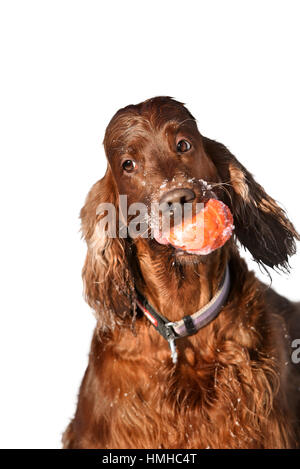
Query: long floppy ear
point(108, 283)
point(260, 224)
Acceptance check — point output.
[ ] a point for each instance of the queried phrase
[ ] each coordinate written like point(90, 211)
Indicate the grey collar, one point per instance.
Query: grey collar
point(189, 325)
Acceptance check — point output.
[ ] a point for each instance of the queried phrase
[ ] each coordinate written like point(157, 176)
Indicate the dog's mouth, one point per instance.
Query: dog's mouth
point(200, 234)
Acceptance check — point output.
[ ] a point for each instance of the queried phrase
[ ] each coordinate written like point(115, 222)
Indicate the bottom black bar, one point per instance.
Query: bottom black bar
point(132, 458)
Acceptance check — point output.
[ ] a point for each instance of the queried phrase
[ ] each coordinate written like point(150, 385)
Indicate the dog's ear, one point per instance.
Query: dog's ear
point(260, 224)
point(108, 283)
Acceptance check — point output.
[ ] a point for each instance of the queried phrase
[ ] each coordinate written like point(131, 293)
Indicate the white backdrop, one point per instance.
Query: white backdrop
point(66, 67)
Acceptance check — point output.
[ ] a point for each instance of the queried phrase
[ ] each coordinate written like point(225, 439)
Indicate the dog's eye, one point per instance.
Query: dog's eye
point(183, 146)
point(129, 166)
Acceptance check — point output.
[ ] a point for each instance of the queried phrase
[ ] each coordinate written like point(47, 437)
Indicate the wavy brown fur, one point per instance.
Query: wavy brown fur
point(234, 385)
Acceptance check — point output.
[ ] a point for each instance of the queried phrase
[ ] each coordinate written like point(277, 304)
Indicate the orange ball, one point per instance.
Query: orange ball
point(206, 231)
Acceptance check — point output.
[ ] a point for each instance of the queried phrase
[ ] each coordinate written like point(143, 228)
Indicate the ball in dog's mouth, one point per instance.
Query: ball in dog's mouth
point(203, 233)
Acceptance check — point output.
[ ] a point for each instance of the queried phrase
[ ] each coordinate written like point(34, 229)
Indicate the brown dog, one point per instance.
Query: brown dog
point(234, 384)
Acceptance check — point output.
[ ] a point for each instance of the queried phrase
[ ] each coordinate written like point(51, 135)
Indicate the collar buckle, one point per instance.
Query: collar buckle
point(171, 340)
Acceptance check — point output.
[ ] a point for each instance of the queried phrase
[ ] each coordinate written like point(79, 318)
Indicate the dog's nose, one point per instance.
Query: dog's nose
point(176, 196)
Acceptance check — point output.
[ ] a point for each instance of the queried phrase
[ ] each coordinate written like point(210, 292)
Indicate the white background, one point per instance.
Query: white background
point(66, 67)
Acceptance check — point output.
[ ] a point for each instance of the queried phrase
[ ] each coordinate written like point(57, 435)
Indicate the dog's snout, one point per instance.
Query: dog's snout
point(176, 196)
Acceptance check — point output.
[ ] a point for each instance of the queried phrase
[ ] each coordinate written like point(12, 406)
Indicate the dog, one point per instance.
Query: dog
point(226, 382)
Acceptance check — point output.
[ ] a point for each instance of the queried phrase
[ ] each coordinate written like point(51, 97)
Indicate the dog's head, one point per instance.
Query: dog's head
point(157, 155)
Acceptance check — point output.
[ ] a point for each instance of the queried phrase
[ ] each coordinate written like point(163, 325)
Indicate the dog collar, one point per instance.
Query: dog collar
point(189, 325)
